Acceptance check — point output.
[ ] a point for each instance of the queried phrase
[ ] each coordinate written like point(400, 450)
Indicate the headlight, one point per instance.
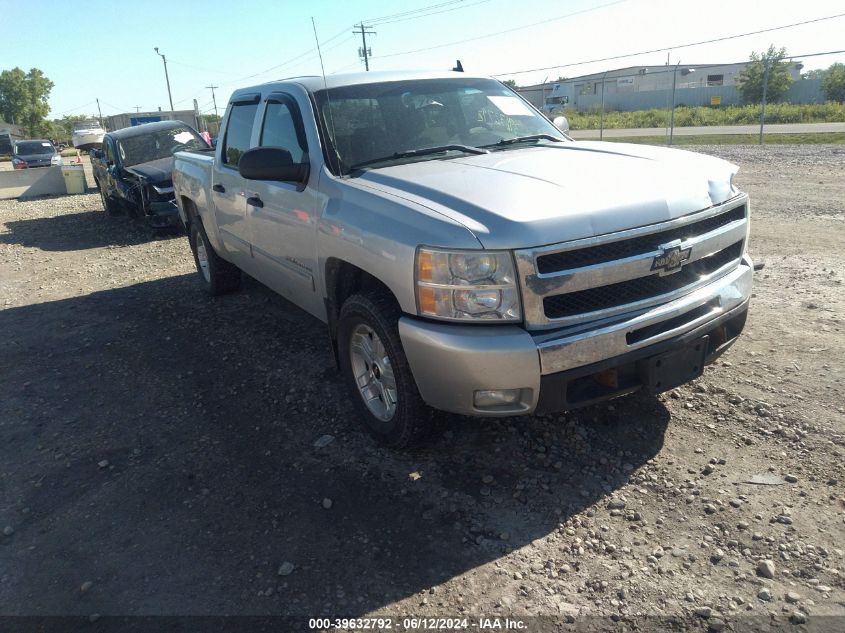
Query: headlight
point(467, 285)
point(56, 160)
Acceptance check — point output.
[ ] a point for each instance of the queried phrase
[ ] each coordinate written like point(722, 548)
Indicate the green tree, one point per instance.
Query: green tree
point(816, 73)
point(13, 96)
point(834, 83)
point(24, 99)
point(750, 79)
point(510, 83)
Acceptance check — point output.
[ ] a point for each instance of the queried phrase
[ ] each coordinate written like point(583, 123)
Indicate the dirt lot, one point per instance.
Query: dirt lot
point(162, 452)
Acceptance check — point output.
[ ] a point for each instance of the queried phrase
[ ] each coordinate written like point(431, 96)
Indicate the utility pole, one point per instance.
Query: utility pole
point(365, 52)
point(213, 98)
point(166, 77)
point(100, 112)
point(765, 89)
point(137, 109)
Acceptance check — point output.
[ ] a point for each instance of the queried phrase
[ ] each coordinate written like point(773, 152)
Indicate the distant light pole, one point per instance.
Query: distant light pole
point(601, 121)
point(765, 90)
point(543, 98)
point(166, 77)
point(685, 71)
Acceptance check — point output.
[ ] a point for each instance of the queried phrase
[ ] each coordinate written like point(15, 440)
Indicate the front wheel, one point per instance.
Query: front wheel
point(374, 366)
point(110, 205)
point(218, 276)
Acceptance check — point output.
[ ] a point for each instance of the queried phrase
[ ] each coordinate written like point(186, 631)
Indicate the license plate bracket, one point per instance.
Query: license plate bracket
point(673, 368)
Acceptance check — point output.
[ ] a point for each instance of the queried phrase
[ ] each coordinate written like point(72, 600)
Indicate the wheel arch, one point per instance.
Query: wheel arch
point(342, 280)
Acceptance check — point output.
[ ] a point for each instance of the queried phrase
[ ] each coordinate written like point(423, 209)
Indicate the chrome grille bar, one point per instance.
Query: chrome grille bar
point(710, 236)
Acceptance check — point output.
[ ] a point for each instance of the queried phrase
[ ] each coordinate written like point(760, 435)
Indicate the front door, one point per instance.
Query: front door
point(283, 216)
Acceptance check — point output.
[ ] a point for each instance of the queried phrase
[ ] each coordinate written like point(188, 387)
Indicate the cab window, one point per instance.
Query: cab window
point(279, 130)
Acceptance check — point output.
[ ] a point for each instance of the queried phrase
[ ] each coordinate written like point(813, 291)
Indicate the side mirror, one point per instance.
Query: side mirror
point(272, 163)
point(97, 153)
point(561, 123)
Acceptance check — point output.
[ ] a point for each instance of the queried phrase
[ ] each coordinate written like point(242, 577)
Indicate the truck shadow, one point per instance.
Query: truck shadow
point(78, 231)
point(164, 446)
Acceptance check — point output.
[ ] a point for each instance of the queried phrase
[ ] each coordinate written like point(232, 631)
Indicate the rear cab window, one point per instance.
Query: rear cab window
point(238, 132)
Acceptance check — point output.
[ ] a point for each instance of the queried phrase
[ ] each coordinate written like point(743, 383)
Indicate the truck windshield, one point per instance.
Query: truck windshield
point(159, 144)
point(28, 148)
point(369, 122)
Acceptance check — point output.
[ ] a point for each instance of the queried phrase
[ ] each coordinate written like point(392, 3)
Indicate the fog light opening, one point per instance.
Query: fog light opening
point(491, 398)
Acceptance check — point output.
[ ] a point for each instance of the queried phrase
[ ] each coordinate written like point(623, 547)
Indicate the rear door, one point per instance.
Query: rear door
point(283, 216)
point(227, 190)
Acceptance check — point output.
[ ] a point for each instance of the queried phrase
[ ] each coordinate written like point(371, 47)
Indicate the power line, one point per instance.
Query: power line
point(73, 109)
point(517, 28)
point(207, 70)
point(670, 48)
point(425, 15)
point(373, 21)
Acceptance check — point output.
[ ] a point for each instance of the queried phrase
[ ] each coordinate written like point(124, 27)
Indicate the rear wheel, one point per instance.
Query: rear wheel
point(374, 366)
point(218, 276)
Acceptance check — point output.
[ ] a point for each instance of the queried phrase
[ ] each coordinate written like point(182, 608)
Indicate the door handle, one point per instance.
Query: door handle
point(254, 201)
point(218, 188)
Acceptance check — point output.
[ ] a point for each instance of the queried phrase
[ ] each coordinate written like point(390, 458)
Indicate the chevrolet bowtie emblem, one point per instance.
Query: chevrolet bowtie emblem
point(671, 259)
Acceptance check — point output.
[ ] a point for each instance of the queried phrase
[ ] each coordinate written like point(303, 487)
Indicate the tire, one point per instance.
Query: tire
point(369, 346)
point(217, 275)
point(110, 205)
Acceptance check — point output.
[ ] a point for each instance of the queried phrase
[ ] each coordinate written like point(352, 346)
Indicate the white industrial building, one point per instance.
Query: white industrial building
point(585, 91)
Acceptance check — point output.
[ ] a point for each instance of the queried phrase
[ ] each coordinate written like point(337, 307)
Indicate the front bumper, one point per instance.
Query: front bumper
point(163, 214)
point(571, 366)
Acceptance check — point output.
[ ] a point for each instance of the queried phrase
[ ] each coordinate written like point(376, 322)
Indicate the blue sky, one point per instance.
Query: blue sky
point(104, 49)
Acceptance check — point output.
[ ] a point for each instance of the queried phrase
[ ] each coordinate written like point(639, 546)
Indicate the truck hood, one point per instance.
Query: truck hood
point(154, 172)
point(546, 194)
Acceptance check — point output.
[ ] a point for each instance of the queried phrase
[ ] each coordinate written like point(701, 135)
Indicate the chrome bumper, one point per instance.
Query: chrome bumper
point(559, 353)
point(451, 362)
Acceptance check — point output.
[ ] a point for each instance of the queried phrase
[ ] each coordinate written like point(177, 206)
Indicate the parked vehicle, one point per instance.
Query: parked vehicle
point(133, 170)
point(35, 153)
point(87, 135)
point(464, 252)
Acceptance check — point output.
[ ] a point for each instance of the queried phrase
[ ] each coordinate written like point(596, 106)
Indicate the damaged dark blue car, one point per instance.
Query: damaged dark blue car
point(134, 169)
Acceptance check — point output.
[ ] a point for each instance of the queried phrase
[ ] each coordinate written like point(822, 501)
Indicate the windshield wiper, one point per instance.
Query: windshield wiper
point(423, 151)
point(520, 139)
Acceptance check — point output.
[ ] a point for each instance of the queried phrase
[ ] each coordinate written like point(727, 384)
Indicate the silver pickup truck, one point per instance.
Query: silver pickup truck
point(465, 253)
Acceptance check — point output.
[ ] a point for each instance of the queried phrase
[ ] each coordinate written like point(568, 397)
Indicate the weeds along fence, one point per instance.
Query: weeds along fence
point(708, 116)
point(801, 91)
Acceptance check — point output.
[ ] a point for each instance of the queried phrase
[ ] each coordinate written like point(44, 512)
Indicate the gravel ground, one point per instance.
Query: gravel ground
point(162, 452)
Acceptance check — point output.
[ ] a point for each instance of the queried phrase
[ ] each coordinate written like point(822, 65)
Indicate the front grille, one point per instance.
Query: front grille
point(651, 287)
point(602, 253)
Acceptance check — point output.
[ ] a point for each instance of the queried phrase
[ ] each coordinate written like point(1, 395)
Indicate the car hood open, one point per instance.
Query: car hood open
point(552, 193)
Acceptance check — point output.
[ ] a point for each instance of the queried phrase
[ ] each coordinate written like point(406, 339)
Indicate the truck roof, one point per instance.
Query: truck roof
point(313, 83)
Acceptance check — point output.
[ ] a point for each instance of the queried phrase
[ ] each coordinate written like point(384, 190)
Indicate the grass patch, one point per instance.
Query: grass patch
point(830, 112)
point(736, 139)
